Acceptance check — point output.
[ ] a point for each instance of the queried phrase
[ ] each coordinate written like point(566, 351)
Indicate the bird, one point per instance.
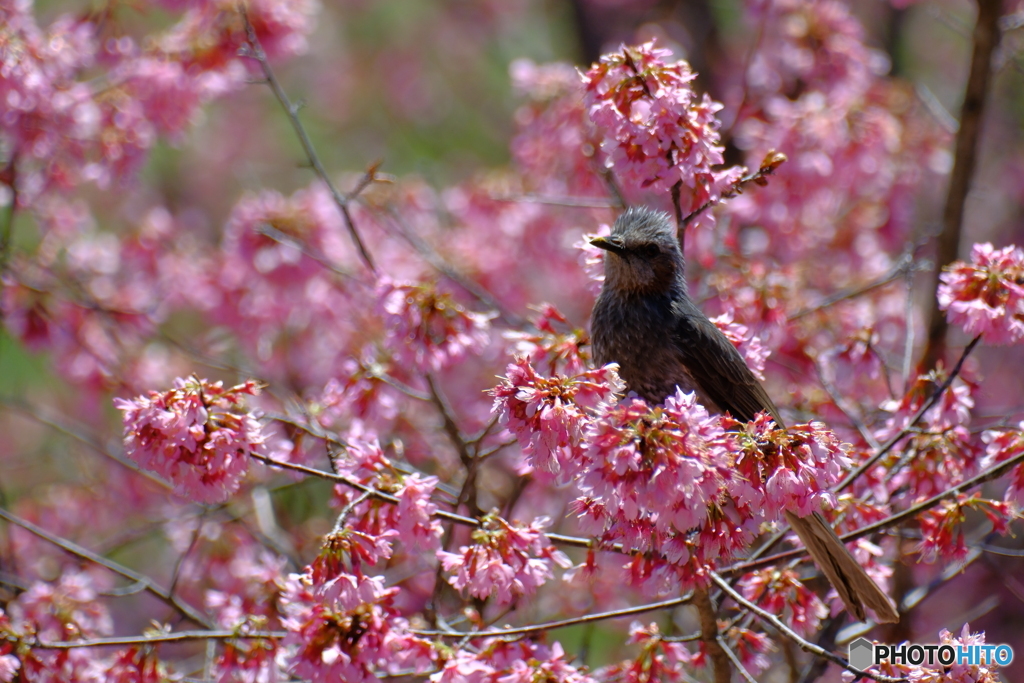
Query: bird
point(644, 321)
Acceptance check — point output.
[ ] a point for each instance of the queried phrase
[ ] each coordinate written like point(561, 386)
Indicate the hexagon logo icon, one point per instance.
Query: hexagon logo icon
point(862, 653)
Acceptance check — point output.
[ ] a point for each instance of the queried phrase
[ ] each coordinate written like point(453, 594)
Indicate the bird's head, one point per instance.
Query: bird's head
point(643, 253)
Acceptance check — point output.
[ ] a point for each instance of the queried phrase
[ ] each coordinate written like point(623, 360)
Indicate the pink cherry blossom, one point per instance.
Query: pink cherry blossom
point(792, 468)
point(1004, 445)
point(9, 665)
point(427, 328)
point(346, 630)
point(66, 610)
point(548, 415)
point(941, 527)
point(505, 560)
point(782, 593)
point(659, 660)
point(195, 435)
point(656, 131)
point(986, 296)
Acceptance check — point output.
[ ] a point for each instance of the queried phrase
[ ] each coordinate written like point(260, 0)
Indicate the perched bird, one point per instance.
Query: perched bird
point(645, 321)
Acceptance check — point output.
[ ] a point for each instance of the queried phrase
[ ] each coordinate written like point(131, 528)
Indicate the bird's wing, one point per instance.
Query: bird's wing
point(718, 368)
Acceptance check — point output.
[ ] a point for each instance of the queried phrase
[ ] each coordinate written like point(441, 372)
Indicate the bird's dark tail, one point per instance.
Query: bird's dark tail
point(856, 589)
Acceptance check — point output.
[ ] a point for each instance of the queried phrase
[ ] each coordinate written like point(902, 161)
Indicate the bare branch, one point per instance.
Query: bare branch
point(561, 623)
point(255, 51)
point(899, 270)
point(986, 38)
point(896, 438)
point(179, 637)
point(781, 627)
point(151, 587)
point(892, 520)
point(744, 674)
point(571, 202)
point(772, 161)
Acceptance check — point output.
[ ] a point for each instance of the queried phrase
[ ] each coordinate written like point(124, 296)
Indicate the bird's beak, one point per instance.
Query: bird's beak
point(612, 244)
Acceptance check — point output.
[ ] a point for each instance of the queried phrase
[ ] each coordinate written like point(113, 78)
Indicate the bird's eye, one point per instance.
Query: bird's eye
point(648, 251)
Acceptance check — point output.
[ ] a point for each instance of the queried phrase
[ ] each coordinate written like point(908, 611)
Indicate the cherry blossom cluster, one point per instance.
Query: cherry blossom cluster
point(654, 475)
point(986, 296)
point(942, 531)
point(655, 131)
point(555, 342)
point(66, 610)
point(346, 629)
point(505, 560)
point(1004, 445)
point(63, 127)
point(943, 451)
point(660, 659)
point(548, 415)
point(781, 592)
point(196, 435)
point(500, 661)
point(371, 525)
point(427, 328)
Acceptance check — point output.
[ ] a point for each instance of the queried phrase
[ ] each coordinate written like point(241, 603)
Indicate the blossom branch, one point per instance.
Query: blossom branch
point(772, 161)
point(561, 623)
point(164, 595)
point(255, 50)
point(986, 38)
point(986, 476)
point(900, 269)
point(882, 450)
point(897, 437)
point(781, 627)
point(430, 255)
point(388, 498)
point(744, 674)
point(179, 637)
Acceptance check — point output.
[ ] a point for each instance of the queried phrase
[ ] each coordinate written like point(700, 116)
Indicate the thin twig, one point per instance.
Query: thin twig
point(176, 574)
point(892, 520)
point(339, 524)
point(287, 240)
point(561, 623)
point(839, 403)
point(430, 255)
point(388, 498)
point(255, 50)
point(772, 161)
point(180, 636)
point(781, 627)
point(900, 269)
point(896, 438)
point(571, 202)
point(159, 592)
point(74, 431)
point(986, 38)
point(744, 674)
point(467, 494)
